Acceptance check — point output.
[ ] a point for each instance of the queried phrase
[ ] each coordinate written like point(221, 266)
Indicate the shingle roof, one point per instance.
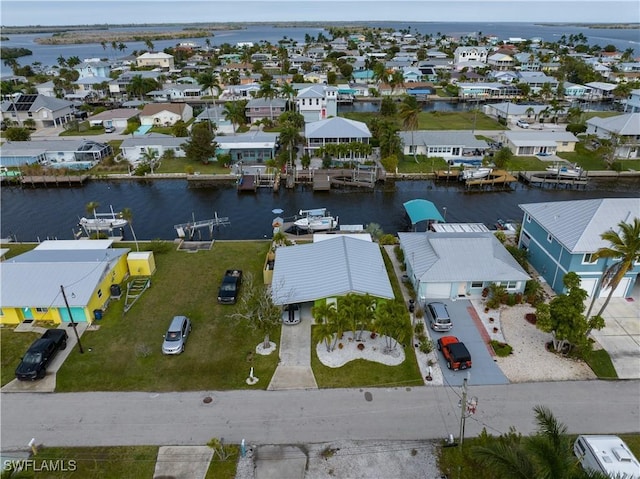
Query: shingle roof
point(155, 108)
point(337, 127)
point(450, 257)
point(578, 224)
point(329, 268)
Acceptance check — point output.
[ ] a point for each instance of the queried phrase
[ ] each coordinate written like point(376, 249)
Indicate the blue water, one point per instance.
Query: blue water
point(622, 39)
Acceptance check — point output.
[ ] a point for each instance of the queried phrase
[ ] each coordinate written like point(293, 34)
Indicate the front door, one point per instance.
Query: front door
point(27, 314)
point(78, 315)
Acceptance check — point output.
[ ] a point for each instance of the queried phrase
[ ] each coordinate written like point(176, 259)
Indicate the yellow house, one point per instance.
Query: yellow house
point(34, 285)
point(141, 263)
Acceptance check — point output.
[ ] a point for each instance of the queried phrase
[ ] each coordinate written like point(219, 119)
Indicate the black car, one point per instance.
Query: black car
point(35, 361)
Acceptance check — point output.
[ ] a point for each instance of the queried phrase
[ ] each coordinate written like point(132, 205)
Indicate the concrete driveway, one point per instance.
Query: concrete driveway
point(621, 334)
point(466, 328)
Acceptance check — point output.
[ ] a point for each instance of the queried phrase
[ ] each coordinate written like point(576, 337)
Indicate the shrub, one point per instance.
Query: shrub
point(388, 239)
point(533, 292)
point(419, 328)
point(501, 236)
point(511, 300)
point(497, 296)
point(501, 349)
point(520, 255)
point(421, 337)
point(399, 252)
point(426, 346)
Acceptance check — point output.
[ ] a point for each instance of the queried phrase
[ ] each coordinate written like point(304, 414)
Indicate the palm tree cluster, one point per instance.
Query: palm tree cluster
point(359, 313)
point(345, 151)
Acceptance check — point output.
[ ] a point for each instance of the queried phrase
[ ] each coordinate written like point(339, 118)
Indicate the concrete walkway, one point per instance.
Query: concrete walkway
point(294, 370)
point(183, 462)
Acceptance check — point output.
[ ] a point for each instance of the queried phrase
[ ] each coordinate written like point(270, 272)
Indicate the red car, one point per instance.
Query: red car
point(455, 353)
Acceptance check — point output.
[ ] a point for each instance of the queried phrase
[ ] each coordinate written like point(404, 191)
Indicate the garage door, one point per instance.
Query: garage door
point(589, 285)
point(438, 290)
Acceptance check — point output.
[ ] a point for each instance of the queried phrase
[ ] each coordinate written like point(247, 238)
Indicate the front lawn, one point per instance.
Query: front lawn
point(124, 353)
point(14, 345)
point(182, 165)
point(600, 363)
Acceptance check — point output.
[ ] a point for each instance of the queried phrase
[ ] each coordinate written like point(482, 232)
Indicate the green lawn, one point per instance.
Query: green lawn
point(14, 346)
point(182, 165)
point(124, 354)
point(600, 363)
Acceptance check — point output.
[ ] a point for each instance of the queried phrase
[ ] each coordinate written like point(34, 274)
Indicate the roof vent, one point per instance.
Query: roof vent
point(621, 454)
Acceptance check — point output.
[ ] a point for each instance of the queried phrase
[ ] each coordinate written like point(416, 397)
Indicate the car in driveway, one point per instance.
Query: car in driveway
point(109, 129)
point(438, 316)
point(522, 124)
point(177, 334)
point(291, 314)
point(40, 354)
point(455, 353)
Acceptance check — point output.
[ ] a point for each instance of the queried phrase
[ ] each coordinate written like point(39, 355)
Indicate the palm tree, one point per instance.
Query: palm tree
point(150, 157)
point(209, 81)
point(127, 214)
point(409, 114)
point(290, 136)
point(234, 111)
point(288, 92)
point(624, 249)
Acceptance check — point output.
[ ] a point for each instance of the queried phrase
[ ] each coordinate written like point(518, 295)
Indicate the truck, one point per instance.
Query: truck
point(230, 287)
point(455, 353)
point(41, 352)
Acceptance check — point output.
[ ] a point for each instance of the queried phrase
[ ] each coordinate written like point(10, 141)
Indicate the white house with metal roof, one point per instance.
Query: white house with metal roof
point(459, 264)
point(535, 142)
point(442, 143)
point(334, 131)
point(134, 148)
point(317, 102)
point(328, 269)
point(74, 153)
point(562, 236)
point(30, 282)
point(626, 128)
point(254, 146)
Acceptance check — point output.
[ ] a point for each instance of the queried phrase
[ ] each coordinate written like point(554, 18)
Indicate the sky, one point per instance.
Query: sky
point(78, 12)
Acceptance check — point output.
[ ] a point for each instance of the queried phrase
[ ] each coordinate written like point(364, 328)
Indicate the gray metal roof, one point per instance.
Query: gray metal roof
point(329, 268)
point(33, 279)
point(463, 138)
point(449, 257)
point(336, 127)
point(153, 140)
point(255, 138)
point(628, 124)
point(578, 224)
point(527, 138)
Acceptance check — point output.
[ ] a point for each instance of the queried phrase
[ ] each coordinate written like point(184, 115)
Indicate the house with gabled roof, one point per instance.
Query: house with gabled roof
point(155, 59)
point(349, 265)
point(165, 114)
point(215, 115)
point(45, 111)
point(453, 264)
point(260, 108)
point(334, 131)
point(442, 143)
point(536, 142)
point(471, 53)
point(317, 102)
point(30, 282)
point(73, 153)
point(255, 146)
point(625, 128)
point(562, 236)
point(134, 148)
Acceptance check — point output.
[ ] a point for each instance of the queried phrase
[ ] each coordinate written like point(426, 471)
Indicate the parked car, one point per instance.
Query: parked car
point(41, 352)
point(230, 286)
point(291, 314)
point(439, 319)
point(109, 129)
point(455, 353)
point(177, 335)
point(522, 124)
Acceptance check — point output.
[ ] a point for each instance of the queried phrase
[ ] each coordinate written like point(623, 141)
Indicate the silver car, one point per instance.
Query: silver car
point(439, 318)
point(177, 334)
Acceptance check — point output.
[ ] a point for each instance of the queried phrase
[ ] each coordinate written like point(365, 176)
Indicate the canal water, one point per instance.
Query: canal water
point(36, 214)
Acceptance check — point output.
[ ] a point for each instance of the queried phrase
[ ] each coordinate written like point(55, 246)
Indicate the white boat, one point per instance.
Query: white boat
point(316, 220)
point(103, 221)
point(475, 173)
point(565, 171)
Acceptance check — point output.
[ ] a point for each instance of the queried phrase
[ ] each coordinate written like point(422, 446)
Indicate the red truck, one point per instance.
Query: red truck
point(455, 353)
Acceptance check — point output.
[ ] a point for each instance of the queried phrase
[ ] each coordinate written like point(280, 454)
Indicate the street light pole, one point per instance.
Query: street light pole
point(73, 323)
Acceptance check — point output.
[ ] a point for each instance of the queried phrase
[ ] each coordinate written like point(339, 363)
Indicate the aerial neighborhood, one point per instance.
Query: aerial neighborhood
point(548, 297)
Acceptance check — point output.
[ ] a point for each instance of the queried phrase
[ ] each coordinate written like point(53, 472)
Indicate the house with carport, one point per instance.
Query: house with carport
point(562, 236)
point(30, 283)
point(325, 270)
point(450, 265)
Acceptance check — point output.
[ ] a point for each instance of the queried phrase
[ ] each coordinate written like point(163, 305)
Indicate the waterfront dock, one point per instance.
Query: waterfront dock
point(543, 179)
point(54, 180)
point(496, 179)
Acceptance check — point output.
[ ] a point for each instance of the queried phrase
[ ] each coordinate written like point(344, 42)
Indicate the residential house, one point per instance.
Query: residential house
point(258, 109)
point(412, 75)
point(134, 149)
point(74, 153)
point(45, 111)
point(240, 92)
point(447, 144)
point(165, 114)
point(632, 103)
point(30, 282)
point(601, 90)
point(91, 85)
point(155, 59)
point(467, 54)
point(47, 88)
point(118, 87)
point(500, 61)
point(336, 130)
point(177, 92)
point(93, 69)
point(350, 265)
point(458, 264)
point(512, 112)
point(538, 142)
point(317, 102)
point(537, 80)
point(623, 129)
point(251, 147)
point(116, 118)
point(487, 91)
point(562, 236)
point(575, 91)
point(215, 114)
point(627, 71)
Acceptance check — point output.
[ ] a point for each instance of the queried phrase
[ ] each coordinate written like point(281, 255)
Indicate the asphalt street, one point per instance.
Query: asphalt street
point(311, 416)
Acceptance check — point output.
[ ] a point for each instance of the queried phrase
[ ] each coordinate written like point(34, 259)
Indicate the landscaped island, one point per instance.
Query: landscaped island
point(69, 38)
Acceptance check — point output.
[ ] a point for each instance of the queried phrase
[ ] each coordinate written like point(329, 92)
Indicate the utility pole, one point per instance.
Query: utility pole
point(73, 323)
point(467, 408)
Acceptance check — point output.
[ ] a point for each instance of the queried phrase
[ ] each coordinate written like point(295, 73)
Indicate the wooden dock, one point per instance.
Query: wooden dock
point(247, 183)
point(54, 180)
point(544, 179)
point(447, 175)
point(497, 178)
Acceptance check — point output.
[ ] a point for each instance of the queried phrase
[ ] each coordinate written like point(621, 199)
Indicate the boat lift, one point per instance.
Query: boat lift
point(188, 230)
point(135, 288)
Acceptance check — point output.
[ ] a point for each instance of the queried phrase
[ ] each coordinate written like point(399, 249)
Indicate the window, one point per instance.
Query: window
point(476, 284)
point(99, 293)
point(528, 218)
point(42, 310)
point(511, 284)
point(588, 258)
point(549, 238)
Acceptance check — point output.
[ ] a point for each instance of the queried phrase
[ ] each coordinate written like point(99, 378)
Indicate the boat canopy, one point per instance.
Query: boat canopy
point(422, 210)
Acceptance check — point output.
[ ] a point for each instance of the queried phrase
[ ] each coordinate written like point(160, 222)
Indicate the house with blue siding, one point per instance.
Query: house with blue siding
point(562, 236)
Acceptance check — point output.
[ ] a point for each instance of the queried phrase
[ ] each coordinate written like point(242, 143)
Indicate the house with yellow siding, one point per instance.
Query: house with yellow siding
point(31, 284)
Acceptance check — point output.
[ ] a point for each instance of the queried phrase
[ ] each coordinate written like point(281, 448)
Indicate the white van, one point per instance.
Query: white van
point(608, 455)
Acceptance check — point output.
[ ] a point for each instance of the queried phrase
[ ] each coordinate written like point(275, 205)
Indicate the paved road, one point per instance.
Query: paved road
point(287, 417)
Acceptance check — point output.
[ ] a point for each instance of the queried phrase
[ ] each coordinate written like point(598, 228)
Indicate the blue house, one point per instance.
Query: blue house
point(562, 236)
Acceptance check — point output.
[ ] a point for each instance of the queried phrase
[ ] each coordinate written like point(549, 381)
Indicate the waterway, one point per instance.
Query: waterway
point(36, 214)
